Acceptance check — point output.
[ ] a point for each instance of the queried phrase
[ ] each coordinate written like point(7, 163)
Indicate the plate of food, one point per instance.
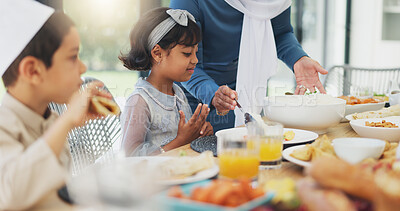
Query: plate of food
point(380, 128)
point(178, 170)
point(357, 105)
point(215, 195)
point(303, 155)
point(291, 136)
point(384, 112)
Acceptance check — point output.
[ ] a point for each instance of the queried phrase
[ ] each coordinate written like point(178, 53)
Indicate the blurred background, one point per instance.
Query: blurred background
point(361, 33)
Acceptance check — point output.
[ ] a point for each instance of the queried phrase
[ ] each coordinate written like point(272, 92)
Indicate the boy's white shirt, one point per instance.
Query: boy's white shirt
point(29, 170)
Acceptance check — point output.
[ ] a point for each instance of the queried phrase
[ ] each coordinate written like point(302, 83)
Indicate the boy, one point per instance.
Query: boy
point(39, 64)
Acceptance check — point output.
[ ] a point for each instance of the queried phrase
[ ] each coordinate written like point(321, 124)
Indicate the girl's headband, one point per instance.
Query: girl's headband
point(177, 16)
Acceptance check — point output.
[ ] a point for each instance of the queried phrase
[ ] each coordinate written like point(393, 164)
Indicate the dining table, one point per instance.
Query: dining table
point(288, 169)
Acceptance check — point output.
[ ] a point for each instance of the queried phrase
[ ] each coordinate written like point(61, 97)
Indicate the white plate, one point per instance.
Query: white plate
point(202, 175)
point(358, 108)
point(286, 154)
point(389, 134)
point(300, 136)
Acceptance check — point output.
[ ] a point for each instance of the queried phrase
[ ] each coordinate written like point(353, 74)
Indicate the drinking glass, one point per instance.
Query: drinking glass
point(270, 139)
point(238, 157)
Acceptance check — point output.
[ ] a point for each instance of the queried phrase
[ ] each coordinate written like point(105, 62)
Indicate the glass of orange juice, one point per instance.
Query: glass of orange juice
point(238, 157)
point(269, 136)
point(271, 145)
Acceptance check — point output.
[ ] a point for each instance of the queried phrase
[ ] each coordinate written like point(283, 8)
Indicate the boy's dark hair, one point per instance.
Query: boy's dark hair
point(139, 56)
point(42, 46)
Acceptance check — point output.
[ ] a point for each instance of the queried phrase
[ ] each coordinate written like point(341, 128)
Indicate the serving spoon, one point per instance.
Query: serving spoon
point(247, 117)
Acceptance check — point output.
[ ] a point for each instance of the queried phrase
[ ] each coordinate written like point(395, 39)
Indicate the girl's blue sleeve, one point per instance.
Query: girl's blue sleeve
point(288, 48)
point(200, 85)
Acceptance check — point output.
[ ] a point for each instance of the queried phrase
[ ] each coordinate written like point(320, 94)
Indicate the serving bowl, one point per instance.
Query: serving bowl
point(388, 134)
point(310, 112)
point(355, 150)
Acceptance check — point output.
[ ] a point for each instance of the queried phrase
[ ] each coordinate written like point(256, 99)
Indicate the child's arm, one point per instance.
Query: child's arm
point(135, 124)
point(76, 115)
point(189, 131)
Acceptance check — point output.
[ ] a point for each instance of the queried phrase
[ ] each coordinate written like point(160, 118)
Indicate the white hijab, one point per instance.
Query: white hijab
point(257, 56)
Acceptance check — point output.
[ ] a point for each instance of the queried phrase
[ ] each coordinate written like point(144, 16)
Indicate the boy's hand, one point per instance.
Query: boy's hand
point(78, 106)
point(206, 130)
point(187, 132)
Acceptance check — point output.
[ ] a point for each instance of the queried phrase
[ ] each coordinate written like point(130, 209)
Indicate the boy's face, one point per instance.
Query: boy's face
point(63, 78)
point(180, 62)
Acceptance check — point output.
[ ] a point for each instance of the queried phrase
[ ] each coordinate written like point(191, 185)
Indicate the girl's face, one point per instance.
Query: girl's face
point(63, 78)
point(179, 64)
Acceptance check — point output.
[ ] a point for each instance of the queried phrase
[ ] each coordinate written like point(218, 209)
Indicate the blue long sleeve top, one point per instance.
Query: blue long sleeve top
point(218, 52)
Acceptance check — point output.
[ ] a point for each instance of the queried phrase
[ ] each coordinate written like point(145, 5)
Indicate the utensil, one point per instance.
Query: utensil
point(247, 117)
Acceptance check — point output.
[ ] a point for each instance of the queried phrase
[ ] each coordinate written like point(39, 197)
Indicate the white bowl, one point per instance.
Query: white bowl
point(355, 150)
point(310, 112)
point(389, 134)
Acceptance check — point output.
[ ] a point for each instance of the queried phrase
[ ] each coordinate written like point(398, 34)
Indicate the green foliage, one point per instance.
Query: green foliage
point(104, 27)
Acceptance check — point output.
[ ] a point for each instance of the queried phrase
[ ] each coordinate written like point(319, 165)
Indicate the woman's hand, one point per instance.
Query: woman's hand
point(78, 106)
point(306, 71)
point(189, 131)
point(224, 99)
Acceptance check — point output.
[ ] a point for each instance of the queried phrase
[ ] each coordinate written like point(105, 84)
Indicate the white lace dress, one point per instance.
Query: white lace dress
point(150, 118)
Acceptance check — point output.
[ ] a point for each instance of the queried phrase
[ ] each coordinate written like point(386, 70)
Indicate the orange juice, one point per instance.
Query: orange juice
point(271, 150)
point(237, 163)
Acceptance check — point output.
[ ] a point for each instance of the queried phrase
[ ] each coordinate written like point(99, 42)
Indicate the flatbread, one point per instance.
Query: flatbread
point(104, 106)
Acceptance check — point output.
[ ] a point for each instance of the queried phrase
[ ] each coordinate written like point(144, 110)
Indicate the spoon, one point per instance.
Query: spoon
point(247, 117)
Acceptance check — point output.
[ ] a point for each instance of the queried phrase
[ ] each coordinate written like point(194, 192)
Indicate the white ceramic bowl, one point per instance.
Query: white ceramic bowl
point(354, 150)
point(310, 112)
point(389, 134)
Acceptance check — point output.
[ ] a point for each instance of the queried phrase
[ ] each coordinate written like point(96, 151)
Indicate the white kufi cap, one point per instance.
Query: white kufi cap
point(20, 20)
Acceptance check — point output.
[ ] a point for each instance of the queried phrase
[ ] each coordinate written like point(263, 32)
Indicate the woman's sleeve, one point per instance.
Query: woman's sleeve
point(288, 48)
point(135, 121)
point(200, 85)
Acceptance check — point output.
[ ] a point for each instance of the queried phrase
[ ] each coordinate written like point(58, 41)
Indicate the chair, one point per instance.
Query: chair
point(93, 140)
point(347, 80)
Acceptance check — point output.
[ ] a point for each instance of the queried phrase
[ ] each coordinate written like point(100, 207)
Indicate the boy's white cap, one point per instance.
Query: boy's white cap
point(20, 20)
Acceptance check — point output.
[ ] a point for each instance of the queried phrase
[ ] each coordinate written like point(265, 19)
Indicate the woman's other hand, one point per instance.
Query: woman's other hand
point(306, 72)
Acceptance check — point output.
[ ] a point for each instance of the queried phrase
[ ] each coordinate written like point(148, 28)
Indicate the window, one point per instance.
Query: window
point(104, 27)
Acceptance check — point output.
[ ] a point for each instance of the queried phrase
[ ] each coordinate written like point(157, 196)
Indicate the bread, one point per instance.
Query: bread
point(103, 106)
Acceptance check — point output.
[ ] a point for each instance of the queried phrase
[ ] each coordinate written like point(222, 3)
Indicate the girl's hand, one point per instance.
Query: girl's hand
point(78, 106)
point(206, 130)
point(187, 132)
point(224, 99)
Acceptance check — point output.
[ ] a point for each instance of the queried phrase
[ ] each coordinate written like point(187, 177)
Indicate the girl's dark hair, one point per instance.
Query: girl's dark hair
point(139, 56)
point(42, 46)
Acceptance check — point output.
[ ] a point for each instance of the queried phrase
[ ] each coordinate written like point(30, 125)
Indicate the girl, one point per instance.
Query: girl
point(157, 116)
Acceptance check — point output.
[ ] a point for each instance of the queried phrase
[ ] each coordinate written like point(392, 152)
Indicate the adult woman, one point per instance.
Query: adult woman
point(221, 23)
